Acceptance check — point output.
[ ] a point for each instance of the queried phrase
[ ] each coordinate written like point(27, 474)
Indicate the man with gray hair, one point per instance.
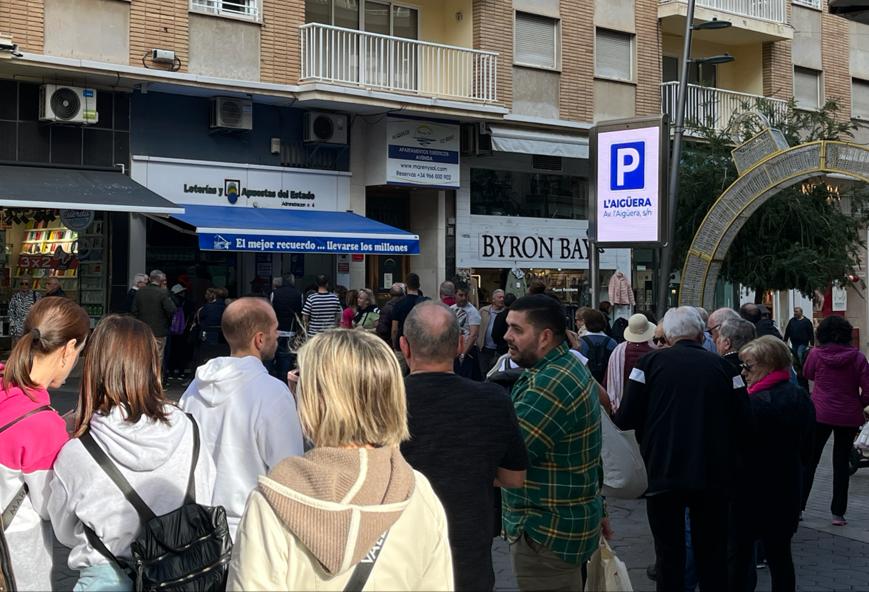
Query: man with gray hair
point(708, 340)
point(154, 307)
point(688, 409)
point(464, 437)
point(485, 342)
point(447, 293)
point(717, 318)
point(732, 335)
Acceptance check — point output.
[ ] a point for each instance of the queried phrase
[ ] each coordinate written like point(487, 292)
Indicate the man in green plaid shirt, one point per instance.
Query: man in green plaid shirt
point(553, 522)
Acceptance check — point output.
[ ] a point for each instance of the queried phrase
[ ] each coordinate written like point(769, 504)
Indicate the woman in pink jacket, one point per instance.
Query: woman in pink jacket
point(841, 391)
point(32, 433)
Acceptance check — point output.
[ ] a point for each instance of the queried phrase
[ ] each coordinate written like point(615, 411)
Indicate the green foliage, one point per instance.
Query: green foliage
point(802, 238)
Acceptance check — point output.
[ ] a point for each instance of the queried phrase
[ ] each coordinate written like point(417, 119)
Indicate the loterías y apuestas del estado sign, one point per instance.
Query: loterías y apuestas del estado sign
point(531, 247)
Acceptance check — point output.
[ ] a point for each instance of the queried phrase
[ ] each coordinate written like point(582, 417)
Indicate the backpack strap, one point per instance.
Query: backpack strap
point(360, 574)
point(110, 469)
point(25, 416)
point(190, 497)
point(12, 509)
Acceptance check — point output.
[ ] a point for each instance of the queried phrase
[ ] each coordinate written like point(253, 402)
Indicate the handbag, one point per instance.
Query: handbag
point(300, 336)
point(606, 572)
point(624, 471)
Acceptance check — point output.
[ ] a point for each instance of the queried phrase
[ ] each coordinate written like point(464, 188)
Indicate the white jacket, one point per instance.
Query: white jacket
point(153, 456)
point(249, 424)
point(314, 518)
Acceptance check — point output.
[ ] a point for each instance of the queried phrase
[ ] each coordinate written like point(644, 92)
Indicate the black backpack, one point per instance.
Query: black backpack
point(598, 357)
point(186, 549)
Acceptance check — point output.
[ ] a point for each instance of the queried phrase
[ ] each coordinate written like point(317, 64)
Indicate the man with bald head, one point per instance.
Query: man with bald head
point(464, 437)
point(247, 418)
point(717, 318)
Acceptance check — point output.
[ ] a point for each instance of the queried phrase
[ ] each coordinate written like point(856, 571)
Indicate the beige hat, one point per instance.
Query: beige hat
point(639, 329)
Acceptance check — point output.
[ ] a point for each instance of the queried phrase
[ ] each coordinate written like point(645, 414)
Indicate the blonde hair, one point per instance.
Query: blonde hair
point(351, 391)
point(769, 352)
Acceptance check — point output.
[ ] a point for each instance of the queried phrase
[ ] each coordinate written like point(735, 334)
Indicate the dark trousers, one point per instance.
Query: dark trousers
point(743, 557)
point(284, 360)
point(843, 442)
point(470, 366)
point(708, 515)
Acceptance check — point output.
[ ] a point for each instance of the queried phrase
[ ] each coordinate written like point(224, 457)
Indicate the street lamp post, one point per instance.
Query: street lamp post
point(676, 152)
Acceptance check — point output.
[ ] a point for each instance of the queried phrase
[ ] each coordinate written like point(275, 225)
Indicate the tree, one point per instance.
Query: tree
point(802, 238)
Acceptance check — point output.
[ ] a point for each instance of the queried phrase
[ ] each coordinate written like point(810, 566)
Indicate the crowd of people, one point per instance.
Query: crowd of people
point(385, 447)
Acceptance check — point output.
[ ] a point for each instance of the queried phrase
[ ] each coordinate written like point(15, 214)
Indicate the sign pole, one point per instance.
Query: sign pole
point(594, 271)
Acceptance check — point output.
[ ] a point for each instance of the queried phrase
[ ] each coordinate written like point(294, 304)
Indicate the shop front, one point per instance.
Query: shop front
point(245, 224)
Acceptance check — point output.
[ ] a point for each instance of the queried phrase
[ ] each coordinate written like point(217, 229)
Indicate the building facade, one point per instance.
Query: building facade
point(459, 124)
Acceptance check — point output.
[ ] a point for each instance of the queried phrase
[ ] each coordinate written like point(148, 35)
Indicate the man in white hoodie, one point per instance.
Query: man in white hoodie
point(248, 418)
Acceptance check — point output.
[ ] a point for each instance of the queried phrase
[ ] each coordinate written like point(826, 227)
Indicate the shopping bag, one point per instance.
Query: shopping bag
point(606, 572)
point(862, 441)
point(624, 471)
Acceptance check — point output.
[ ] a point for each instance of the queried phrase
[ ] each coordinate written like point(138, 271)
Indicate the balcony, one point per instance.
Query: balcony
point(713, 107)
point(349, 57)
point(754, 21)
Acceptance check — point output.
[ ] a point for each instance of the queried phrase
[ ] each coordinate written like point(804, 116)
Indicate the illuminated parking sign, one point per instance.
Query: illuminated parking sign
point(629, 164)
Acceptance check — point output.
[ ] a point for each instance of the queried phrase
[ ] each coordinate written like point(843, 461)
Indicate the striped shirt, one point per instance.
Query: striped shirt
point(560, 505)
point(322, 310)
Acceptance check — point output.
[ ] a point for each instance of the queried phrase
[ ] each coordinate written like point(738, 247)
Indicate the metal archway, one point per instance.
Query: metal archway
point(751, 190)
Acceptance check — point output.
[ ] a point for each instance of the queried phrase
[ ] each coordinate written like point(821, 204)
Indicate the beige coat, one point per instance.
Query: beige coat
point(315, 517)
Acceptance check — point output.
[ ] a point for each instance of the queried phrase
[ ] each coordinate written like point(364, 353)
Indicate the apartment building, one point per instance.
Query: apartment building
point(369, 138)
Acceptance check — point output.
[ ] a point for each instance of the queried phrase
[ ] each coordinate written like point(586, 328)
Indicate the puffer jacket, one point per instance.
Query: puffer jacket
point(314, 518)
point(840, 373)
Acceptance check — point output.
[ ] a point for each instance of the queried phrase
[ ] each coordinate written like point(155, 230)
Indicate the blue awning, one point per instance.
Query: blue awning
point(266, 230)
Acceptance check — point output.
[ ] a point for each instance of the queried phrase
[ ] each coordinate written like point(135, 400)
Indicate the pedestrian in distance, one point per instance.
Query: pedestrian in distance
point(464, 437)
point(499, 327)
point(32, 434)
point(154, 306)
point(637, 343)
point(596, 345)
point(731, 336)
point(467, 363)
point(486, 343)
point(387, 311)
point(403, 308)
point(247, 418)
point(367, 314)
point(688, 408)
point(447, 293)
point(322, 309)
point(349, 311)
point(53, 288)
point(715, 320)
point(800, 332)
point(841, 391)
point(140, 280)
point(123, 411)
point(779, 443)
point(708, 339)
point(19, 306)
point(760, 317)
point(287, 302)
point(310, 523)
point(553, 523)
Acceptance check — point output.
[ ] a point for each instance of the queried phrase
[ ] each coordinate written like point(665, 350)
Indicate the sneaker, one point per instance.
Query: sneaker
point(839, 520)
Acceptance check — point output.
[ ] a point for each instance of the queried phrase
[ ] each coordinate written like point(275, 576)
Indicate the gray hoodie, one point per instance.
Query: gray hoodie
point(249, 424)
point(153, 456)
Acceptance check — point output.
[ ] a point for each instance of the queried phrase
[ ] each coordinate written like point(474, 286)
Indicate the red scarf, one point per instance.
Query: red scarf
point(769, 380)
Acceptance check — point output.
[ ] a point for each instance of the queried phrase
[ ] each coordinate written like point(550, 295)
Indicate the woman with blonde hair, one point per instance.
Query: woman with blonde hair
point(367, 313)
point(32, 434)
point(777, 447)
point(149, 440)
point(314, 518)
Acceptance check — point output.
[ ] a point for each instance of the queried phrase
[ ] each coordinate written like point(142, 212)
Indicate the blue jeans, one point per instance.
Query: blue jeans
point(690, 566)
point(103, 577)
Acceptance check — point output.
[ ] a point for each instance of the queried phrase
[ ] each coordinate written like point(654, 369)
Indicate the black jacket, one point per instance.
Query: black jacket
point(783, 420)
point(767, 327)
point(154, 306)
point(689, 407)
point(288, 303)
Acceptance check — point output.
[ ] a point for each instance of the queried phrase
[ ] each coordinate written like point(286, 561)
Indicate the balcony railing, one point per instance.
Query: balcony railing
point(369, 60)
point(774, 11)
point(711, 107)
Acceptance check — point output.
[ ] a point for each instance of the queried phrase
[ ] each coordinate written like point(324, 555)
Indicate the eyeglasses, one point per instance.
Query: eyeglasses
point(659, 340)
point(715, 328)
point(746, 366)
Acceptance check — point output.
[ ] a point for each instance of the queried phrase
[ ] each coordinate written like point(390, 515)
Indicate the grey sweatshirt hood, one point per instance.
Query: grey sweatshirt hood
point(222, 377)
point(142, 446)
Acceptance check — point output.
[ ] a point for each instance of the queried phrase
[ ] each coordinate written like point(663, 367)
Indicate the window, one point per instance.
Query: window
point(809, 3)
point(377, 16)
point(614, 55)
point(859, 98)
point(532, 195)
point(248, 9)
point(536, 41)
point(807, 88)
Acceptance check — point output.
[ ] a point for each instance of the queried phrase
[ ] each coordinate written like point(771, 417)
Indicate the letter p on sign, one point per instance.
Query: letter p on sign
point(627, 170)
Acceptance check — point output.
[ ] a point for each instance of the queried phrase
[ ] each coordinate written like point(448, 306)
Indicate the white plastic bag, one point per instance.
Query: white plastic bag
point(624, 471)
point(606, 572)
point(862, 441)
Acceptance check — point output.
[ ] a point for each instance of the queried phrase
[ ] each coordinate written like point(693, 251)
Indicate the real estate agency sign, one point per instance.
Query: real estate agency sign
point(629, 165)
point(422, 152)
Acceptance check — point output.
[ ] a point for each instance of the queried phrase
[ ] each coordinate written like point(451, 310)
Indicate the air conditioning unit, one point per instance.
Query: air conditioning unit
point(231, 113)
point(327, 128)
point(67, 104)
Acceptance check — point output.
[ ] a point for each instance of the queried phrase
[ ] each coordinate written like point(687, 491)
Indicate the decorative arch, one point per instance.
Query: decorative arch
point(751, 190)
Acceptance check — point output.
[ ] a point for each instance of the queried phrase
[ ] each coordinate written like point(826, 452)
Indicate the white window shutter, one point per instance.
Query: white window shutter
point(860, 98)
point(806, 88)
point(536, 40)
point(614, 55)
